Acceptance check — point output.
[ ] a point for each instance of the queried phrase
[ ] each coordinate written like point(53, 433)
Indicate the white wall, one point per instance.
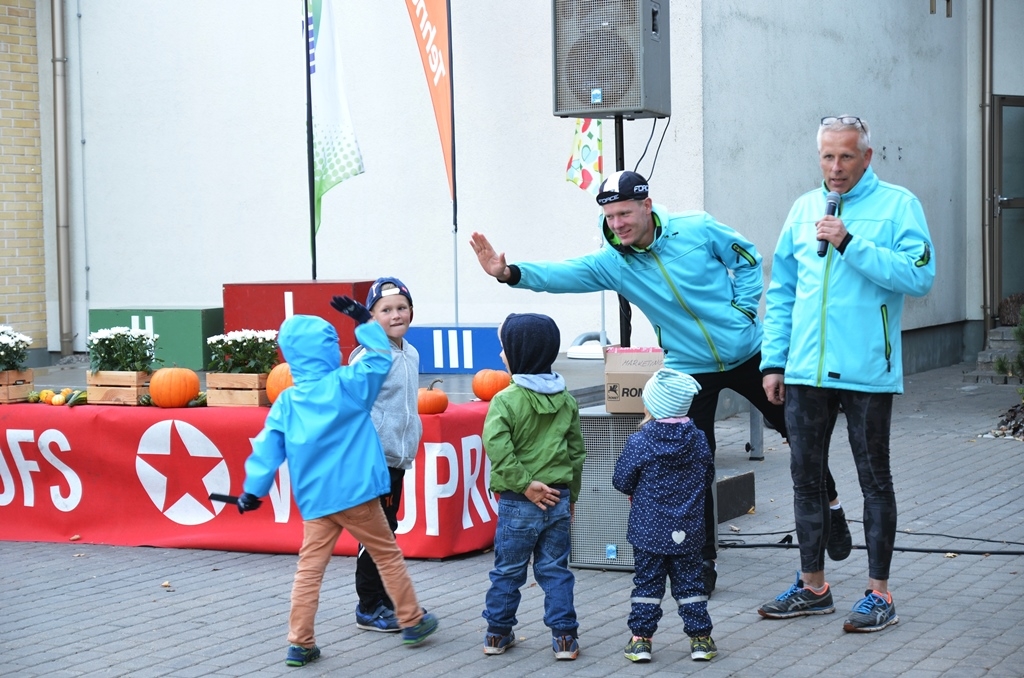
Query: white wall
point(193, 172)
point(773, 68)
point(1008, 63)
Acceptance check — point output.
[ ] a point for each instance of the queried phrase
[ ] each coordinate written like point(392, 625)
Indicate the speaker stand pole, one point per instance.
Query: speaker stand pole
point(625, 312)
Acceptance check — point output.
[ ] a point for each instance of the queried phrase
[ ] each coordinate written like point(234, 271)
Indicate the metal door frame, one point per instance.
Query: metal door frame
point(996, 203)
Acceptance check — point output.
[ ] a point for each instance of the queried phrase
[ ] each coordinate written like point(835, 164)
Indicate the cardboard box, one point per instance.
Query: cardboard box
point(626, 370)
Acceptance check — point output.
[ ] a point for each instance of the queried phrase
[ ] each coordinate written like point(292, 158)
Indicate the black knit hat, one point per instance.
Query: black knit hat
point(530, 342)
point(623, 185)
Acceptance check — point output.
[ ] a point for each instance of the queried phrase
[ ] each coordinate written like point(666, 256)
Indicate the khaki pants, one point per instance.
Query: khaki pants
point(367, 524)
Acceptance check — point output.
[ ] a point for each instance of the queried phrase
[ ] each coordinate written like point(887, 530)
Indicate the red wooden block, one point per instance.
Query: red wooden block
point(265, 305)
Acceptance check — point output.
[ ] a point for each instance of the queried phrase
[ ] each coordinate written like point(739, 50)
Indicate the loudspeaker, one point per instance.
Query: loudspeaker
point(601, 518)
point(602, 512)
point(611, 58)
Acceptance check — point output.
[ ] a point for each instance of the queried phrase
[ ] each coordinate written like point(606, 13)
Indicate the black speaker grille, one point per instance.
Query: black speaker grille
point(602, 512)
point(598, 44)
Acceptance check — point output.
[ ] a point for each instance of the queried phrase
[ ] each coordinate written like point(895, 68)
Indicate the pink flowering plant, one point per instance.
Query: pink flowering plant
point(244, 352)
point(121, 349)
point(13, 348)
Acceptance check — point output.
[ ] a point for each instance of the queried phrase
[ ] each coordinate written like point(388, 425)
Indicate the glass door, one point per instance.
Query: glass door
point(1008, 199)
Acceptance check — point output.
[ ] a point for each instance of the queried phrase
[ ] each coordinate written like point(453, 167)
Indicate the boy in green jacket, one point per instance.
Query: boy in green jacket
point(533, 440)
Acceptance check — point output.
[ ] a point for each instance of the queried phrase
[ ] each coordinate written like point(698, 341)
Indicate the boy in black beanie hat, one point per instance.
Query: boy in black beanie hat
point(533, 440)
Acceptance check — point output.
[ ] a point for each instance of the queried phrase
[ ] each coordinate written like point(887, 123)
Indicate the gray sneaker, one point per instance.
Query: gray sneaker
point(798, 601)
point(871, 613)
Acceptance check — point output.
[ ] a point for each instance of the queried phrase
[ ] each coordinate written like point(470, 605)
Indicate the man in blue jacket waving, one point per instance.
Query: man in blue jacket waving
point(699, 283)
point(831, 339)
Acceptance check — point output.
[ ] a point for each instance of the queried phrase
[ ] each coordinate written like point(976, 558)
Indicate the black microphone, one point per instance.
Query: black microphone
point(831, 207)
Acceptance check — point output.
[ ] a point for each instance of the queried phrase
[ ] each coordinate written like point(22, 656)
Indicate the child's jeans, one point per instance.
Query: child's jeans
point(687, 589)
point(367, 524)
point(524, 530)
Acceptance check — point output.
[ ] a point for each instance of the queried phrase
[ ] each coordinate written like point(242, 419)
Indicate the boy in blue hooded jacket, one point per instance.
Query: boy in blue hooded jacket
point(321, 426)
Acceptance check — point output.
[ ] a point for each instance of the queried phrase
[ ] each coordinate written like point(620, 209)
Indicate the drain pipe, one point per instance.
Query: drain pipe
point(988, 264)
point(60, 135)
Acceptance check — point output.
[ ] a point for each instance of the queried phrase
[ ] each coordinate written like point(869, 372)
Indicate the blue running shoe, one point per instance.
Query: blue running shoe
point(871, 613)
point(497, 643)
point(414, 635)
point(382, 619)
point(565, 647)
point(798, 601)
point(300, 656)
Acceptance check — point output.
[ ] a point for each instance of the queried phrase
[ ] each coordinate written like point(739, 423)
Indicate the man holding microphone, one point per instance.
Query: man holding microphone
point(831, 340)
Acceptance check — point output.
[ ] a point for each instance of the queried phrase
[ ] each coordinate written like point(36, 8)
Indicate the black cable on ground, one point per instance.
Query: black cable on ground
point(787, 543)
point(908, 549)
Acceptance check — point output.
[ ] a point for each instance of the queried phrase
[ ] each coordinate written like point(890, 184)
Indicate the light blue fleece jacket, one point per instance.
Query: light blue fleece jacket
point(395, 412)
point(705, 319)
point(321, 425)
point(834, 321)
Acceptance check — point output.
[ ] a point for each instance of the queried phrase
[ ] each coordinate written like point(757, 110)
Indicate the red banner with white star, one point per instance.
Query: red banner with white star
point(142, 476)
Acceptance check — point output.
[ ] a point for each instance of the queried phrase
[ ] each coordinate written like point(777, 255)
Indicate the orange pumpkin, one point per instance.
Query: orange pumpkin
point(173, 386)
point(486, 383)
point(278, 380)
point(432, 400)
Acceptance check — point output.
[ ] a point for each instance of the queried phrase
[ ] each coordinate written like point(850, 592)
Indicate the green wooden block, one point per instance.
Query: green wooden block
point(182, 331)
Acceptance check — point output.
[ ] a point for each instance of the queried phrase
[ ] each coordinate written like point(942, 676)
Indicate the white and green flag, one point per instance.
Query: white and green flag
point(335, 151)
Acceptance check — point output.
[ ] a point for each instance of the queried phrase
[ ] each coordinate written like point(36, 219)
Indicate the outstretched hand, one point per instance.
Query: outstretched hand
point(493, 263)
point(352, 308)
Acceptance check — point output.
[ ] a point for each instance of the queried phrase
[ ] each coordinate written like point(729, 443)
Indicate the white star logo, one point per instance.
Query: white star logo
point(180, 467)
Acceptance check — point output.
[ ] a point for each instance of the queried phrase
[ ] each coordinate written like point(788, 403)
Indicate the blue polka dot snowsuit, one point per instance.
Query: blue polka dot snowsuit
point(665, 467)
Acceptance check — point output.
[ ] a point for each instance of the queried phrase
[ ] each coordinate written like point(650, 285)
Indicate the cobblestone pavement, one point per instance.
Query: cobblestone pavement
point(87, 610)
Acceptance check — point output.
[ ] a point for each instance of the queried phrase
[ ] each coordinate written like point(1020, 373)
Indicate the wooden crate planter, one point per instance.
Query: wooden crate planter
point(236, 390)
point(116, 388)
point(15, 385)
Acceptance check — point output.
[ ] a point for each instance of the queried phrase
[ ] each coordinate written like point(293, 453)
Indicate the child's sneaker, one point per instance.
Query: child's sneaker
point(496, 643)
point(382, 619)
point(797, 601)
point(840, 541)
point(300, 656)
point(565, 647)
point(702, 648)
point(872, 613)
point(638, 649)
point(414, 635)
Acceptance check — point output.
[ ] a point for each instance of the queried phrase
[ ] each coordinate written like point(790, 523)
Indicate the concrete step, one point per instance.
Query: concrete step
point(1002, 332)
point(990, 377)
point(1003, 345)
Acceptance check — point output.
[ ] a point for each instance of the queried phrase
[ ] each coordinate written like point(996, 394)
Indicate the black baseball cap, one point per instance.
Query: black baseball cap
point(624, 185)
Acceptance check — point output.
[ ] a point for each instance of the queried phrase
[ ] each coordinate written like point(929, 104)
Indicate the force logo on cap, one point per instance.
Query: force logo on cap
point(623, 185)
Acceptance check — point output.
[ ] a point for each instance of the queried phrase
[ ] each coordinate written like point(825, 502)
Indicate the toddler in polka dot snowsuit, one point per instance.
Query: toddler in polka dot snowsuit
point(664, 467)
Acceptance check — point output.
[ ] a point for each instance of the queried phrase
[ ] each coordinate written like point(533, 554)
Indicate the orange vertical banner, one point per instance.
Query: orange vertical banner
point(430, 24)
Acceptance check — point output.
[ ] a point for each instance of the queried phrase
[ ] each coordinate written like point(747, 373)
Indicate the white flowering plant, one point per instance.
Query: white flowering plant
point(244, 352)
point(13, 348)
point(121, 349)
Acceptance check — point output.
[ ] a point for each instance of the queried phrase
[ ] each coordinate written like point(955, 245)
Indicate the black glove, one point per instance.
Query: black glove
point(352, 308)
point(248, 502)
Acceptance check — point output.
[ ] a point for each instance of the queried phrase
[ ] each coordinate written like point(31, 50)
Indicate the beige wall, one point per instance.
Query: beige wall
point(22, 272)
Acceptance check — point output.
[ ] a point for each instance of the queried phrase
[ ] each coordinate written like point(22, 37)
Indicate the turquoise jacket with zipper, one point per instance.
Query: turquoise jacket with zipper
point(834, 321)
point(705, 319)
point(322, 425)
